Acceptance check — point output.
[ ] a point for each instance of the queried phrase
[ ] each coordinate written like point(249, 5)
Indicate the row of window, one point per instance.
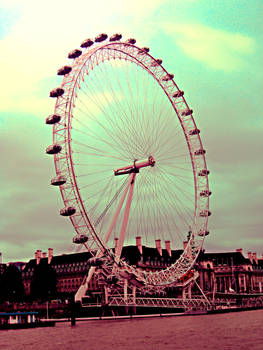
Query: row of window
point(74, 283)
point(74, 264)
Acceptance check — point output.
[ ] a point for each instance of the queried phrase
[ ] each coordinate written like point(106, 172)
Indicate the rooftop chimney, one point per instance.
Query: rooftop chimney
point(249, 255)
point(139, 243)
point(38, 256)
point(239, 250)
point(50, 255)
point(44, 255)
point(158, 246)
point(254, 256)
point(168, 247)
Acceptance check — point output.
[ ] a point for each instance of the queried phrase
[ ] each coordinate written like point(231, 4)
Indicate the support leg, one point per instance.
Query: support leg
point(125, 218)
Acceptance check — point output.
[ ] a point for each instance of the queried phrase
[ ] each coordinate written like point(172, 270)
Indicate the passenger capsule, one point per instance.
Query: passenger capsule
point(56, 92)
point(187, 276)
point(87, 43)
point(74, 53)
point(168, 77)
point(101, 37)
point(80, 239)
point(143, 50)
point(156, 62)
point(53, 119)
point(64, 70)
point(203, 233)
point(131, 41)
point(58, 180)
point(203, 172)
point(186, 112)
point(67, 211)
point(178, 94)
point(95, 261)
point(194, 132)
point(115, 37)
point(205, 193)
point(53, 149)
point(205, 213)
point(199, 152)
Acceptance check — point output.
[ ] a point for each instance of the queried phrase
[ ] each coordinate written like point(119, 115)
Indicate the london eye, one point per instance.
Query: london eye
point(129, 159)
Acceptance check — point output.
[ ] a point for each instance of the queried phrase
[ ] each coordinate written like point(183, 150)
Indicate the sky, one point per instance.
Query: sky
point(214, 49)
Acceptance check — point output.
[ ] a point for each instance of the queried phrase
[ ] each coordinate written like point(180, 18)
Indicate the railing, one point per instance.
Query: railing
point(239, 302)
point(193, 303)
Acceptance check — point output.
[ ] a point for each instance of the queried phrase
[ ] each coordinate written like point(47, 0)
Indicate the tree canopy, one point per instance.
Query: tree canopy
point(11, 284)
point(44, 281)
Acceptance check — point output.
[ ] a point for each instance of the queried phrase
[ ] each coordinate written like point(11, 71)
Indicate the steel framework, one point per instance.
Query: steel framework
point(64, 165)
point(173, 303)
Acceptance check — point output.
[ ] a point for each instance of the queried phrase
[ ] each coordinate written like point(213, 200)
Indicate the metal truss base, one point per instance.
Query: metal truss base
point(186, 304)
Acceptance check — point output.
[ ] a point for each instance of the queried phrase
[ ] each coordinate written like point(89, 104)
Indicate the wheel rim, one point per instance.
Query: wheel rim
point(118, 107)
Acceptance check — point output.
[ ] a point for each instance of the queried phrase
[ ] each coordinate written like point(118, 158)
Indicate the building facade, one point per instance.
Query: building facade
point(229, 272)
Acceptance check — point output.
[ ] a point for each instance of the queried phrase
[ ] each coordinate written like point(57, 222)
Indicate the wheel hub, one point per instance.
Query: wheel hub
point(137, 165)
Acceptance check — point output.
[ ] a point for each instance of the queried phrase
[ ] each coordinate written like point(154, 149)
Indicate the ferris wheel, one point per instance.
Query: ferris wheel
point(128, 157)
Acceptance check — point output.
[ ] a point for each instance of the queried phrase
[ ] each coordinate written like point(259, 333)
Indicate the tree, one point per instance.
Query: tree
point(44, 282)
point(12, 288)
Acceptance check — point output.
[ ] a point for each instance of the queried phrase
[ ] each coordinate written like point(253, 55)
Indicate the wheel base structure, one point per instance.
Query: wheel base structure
point(125, 295)
point(171, 303)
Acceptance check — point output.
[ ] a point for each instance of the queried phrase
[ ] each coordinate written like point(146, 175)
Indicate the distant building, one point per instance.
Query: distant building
point(218, 272)
point(226, 272)
point(233, 271)
point(70, 270)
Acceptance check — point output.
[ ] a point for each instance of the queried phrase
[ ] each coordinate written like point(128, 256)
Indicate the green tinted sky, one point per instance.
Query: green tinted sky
point(214, 49)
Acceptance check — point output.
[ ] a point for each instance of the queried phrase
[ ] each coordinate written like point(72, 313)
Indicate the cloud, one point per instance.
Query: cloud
point(30, 217)
point(219, 49)
point(39, 41)
point(34, 47)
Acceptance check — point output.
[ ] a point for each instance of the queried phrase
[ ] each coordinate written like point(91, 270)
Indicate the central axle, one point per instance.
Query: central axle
point(135, 167)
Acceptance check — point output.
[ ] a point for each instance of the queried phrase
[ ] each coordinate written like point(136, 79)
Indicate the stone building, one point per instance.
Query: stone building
point(229, 272)
point(70, 271)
